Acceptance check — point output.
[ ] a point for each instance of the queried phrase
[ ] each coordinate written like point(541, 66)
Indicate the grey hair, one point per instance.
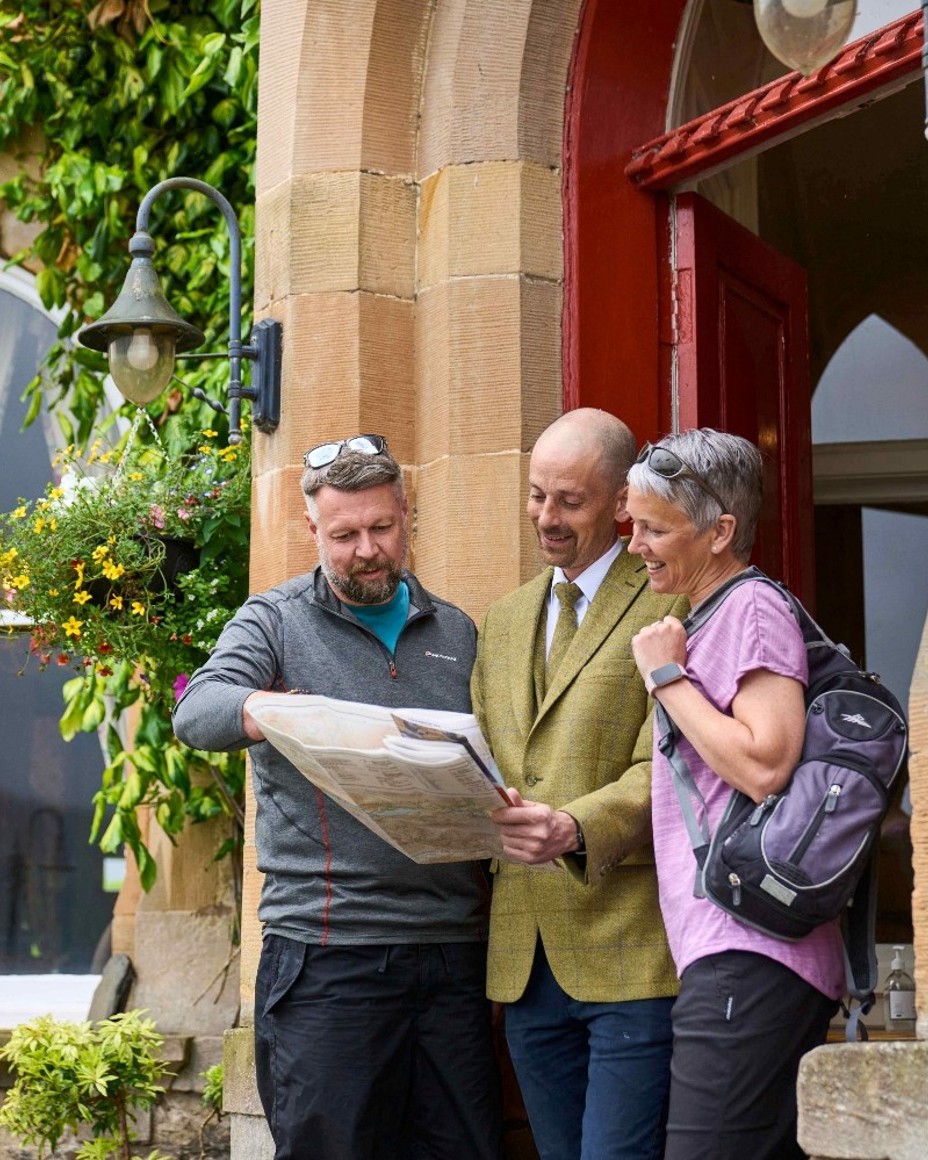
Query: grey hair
point(354, 471)
point(733, 467)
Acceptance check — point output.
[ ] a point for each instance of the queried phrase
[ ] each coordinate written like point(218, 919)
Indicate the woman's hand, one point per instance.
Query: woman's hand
point(660, 643)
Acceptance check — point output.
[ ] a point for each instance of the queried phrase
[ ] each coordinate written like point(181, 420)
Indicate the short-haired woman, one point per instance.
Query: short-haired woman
point(750, 1005)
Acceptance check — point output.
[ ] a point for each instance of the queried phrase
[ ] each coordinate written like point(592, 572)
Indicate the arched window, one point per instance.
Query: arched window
point(870, 434)
point(53, 906)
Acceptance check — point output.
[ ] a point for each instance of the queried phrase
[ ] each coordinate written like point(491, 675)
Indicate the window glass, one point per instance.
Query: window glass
point(722, 55)
point(53, 909)
point(874, 361)
point(873, 14)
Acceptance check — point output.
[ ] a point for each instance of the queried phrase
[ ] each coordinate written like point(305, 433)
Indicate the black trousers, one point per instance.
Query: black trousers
point(741, 1023)
point(376, 1052)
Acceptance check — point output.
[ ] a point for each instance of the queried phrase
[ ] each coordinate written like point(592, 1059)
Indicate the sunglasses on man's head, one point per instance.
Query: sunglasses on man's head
point(668, 465)
point(325, 453)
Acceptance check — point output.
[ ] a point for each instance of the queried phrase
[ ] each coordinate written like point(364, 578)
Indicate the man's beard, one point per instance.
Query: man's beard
point(358, 591)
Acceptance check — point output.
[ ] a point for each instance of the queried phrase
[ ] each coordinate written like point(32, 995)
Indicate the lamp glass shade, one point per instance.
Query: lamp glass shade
point(141, 362)
point(804, 34)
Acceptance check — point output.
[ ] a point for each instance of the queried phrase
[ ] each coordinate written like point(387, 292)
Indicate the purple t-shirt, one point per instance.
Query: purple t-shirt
point(753, 629)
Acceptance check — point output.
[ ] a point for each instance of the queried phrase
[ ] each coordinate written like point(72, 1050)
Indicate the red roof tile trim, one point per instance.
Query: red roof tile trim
point(882, 61)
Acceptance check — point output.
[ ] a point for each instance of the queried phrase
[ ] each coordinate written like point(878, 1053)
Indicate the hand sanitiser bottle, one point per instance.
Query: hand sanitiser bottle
point(899, 995)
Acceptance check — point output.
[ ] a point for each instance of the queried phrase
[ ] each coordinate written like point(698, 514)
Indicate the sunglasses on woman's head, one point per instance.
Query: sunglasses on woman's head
point(668, 465)
point(325, 453)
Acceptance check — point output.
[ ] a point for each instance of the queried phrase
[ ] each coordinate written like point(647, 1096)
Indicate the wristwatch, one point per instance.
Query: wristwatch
point(665, 675)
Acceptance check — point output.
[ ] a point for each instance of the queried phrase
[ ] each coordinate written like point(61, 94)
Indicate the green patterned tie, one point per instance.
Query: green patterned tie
point(565, 629)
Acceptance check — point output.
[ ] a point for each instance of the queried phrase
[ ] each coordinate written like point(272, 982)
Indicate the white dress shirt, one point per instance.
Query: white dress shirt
point(588, 582)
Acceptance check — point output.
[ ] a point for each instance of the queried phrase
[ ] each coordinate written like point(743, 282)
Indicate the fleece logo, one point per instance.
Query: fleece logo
point(439, 656)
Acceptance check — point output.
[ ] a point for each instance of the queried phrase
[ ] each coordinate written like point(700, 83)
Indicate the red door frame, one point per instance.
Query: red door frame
point(616, 230)
point(616, 99)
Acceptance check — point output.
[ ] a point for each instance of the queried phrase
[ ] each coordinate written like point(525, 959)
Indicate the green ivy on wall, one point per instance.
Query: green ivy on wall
point(98, 103)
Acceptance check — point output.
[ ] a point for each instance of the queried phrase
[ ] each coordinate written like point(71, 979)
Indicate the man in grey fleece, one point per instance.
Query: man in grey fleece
point(372, 1031)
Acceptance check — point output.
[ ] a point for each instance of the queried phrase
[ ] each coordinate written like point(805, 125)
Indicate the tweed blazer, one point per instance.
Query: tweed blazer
point(587, 750)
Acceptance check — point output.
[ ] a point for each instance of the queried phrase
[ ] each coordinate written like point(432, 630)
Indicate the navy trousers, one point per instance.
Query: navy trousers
point(594, 1076)
point(376, 1052)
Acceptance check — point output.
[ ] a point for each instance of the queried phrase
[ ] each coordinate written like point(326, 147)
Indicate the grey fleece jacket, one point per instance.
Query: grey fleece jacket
point(328, 879)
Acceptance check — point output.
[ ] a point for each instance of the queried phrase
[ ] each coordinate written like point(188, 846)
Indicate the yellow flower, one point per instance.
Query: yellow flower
point(39, 526)
point(79, 569)
point(137, 608)
point(20, 513)
point(116, 602)
point(56, 492)
point(209, 433)
point(111, 539)
point(112, 571)
point(20, 581)
point(81, 597)
point(53, 591)
point(98, 553)
point(206, 449)
point(8, 557)
point(72, 626)
point(52, 525)
point(135, 476)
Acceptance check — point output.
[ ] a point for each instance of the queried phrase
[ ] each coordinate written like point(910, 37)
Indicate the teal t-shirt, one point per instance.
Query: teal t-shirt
point(385, 620)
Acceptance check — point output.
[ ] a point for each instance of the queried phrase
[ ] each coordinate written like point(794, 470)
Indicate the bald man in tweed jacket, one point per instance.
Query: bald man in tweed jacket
point(577, 947)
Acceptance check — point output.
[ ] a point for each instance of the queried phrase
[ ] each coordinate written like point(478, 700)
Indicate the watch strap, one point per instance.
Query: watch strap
point(664, 675)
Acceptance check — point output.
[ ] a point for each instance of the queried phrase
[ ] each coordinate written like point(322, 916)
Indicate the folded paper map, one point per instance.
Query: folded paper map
point(421, 779)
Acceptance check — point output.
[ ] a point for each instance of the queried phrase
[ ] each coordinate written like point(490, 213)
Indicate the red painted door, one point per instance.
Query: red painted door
point(740, 339)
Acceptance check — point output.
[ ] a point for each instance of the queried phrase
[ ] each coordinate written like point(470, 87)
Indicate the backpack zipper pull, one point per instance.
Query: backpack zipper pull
point(735, 883)
point(831, 801)
point(760, 810)
point(392, 670)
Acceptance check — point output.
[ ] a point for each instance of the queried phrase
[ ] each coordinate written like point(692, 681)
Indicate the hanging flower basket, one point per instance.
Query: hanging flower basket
point(124, 562)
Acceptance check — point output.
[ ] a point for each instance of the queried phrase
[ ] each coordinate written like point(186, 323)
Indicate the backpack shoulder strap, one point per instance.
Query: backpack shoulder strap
point(701, 613)
point(858, 930)
point(692, 803)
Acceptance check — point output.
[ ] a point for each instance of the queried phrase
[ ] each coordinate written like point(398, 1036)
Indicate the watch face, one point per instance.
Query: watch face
point(666, 674)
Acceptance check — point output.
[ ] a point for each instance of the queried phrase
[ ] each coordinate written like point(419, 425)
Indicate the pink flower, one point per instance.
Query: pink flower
point(156, 515)
point(180, 683)
point(183, 514)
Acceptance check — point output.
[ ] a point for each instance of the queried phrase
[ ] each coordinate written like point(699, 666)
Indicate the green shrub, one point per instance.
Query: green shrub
point(70, 1076)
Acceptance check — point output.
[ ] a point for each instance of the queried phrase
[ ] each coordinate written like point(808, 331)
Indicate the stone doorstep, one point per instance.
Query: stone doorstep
point(865, 1101)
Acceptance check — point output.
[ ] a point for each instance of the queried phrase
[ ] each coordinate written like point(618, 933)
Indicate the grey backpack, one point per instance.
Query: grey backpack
point(806, 855)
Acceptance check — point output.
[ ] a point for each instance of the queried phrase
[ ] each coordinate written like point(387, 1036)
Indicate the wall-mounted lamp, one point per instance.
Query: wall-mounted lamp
point(141, 332)
point(804, 34)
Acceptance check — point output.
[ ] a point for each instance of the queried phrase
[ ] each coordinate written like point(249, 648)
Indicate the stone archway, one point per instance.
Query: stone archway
point(409, 237)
